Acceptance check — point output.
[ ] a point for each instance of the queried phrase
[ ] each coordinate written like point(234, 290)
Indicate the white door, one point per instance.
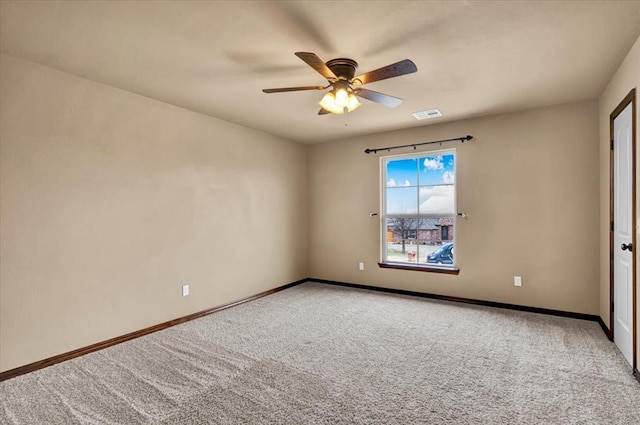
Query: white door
point(622, 249)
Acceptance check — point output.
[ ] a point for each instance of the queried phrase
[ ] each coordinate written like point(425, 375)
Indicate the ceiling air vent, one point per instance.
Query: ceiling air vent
point(429, 113)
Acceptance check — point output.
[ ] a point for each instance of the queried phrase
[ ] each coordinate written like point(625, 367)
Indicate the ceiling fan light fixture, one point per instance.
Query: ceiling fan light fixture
point(339, 101)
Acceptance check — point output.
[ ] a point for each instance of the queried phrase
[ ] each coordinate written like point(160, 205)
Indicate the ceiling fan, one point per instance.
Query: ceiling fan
point(345, 87)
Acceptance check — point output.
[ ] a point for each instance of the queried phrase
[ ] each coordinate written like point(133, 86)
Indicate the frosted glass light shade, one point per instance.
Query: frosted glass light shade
point(342, 98)
point(339, 102)
point(353, 102)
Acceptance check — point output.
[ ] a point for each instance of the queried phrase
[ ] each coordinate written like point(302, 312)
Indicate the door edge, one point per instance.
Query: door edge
point(630, 98)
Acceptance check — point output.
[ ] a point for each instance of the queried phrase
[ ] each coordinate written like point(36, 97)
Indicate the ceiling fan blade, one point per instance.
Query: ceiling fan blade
point(316, 63)
point(323, 111)
point(293, 89)
point(381, 98)
point(394, 70)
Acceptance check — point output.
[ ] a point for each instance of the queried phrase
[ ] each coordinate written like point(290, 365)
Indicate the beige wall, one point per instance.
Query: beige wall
point(111, 201)
point(528, 183)
point(625, 79)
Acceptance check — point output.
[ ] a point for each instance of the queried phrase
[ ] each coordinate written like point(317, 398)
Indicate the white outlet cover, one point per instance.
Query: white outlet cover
point(361, 266)
point(185, 290)
point(517, 280)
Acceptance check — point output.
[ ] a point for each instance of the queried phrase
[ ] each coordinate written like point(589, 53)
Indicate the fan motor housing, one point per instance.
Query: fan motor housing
point(343, 68)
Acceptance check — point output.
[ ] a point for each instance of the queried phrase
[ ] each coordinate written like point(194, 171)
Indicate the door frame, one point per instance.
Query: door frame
point(630, 98)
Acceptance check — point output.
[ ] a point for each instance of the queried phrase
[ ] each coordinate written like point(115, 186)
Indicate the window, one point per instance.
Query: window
point(419, 210)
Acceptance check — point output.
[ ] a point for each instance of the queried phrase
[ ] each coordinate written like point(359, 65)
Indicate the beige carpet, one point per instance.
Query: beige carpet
point(320, 354)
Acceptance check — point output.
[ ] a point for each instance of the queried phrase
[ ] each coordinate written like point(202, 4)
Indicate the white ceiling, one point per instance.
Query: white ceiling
point(473, 57)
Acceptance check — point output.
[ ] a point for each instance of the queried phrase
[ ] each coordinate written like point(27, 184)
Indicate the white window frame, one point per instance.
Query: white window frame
point(383, 216)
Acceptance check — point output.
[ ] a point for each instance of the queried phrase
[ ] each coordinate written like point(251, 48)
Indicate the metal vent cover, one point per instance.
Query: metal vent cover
point(426, 114)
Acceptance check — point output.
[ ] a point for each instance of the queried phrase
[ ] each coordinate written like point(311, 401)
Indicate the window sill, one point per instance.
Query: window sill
point(420, 268)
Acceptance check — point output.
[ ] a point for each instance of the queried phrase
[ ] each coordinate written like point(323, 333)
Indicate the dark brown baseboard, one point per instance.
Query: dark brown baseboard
point(636, 373)
point(605, 329)
point(31, 367)
point(117, 340)
point(573, 315)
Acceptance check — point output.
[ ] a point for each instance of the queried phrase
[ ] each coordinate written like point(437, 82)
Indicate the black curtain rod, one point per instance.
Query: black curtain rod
point(462, 139)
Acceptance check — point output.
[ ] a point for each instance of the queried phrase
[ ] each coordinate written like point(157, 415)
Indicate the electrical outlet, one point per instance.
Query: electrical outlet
point(361, 265)
point(185, 290)
point(517, 280)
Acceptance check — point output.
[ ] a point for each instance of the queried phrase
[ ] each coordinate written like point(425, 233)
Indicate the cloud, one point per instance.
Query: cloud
point(392, 183)
point(433, 163)
point(426, 192)
point(437, 200)
point(448, 177)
